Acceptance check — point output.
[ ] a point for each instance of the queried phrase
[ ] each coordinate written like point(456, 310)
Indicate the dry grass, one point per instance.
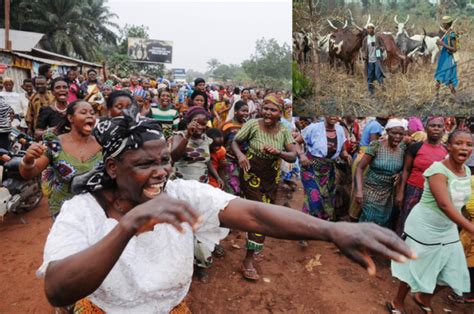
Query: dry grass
point(336, 92)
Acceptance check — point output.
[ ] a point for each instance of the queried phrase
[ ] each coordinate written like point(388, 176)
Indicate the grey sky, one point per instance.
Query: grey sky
point(206, 29)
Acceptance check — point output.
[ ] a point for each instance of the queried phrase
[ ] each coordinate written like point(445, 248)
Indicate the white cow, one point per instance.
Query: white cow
point(431, 46)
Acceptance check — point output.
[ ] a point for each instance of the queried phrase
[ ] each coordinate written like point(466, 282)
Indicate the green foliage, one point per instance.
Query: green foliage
point(270, 66)
point(73, 28)
point(191, 75)
point(302, 86)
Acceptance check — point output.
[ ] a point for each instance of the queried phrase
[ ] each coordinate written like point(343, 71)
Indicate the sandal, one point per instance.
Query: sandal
point(218, 251)
point(258, 256)
point(461, 300)
point(303, 243)
point(249, 273)
point(201, 274)
point(392, 309)
point(424, 308)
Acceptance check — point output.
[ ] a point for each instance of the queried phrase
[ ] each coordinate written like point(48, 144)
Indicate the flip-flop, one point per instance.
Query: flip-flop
point(249, 273)
point(461, 300)
point(258, 256)
point(392, 309)
point(219, 251)
point(425, 309)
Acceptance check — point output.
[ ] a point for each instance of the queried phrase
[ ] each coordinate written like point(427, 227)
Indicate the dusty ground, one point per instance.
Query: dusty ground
point(334, 286)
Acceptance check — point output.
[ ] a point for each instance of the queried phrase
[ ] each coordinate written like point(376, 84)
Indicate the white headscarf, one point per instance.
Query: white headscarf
point(394, 123)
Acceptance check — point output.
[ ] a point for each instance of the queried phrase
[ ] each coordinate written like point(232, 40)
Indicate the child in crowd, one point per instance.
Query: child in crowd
point(218, 153)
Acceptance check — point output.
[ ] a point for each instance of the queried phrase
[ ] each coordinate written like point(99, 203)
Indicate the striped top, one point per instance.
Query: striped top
point(169, 118)
point(252, 133)
point(5, 112)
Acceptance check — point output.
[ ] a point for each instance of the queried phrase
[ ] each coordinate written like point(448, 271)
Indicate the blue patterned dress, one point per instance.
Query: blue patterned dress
point(447, 72)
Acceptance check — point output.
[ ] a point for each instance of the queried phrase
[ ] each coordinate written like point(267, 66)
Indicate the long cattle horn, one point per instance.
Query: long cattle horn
point(353, 22)
point(395, 19)
point(332, 25)
point(345, 25)
point(408, 17)
point(368, 21)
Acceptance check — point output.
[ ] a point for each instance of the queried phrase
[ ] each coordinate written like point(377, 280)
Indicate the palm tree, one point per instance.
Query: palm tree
point(213, 64)
point(73, 28)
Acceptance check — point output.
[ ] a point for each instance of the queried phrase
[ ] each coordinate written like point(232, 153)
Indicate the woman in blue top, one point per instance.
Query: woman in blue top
point(325, 143)
point(447, 72)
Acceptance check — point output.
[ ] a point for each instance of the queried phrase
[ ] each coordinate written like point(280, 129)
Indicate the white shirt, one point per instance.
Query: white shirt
point(154, 272)
point(13, 99)
point(252, 110)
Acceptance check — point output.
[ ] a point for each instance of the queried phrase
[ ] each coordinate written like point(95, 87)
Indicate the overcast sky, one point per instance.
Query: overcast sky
point(204, 29)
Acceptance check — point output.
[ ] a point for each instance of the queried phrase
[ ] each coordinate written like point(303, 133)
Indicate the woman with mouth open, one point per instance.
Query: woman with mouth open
point(431, 229)
point(137, 228)
point(376, 191)
point(69, 151)
point(50, 116)
point(269, 141)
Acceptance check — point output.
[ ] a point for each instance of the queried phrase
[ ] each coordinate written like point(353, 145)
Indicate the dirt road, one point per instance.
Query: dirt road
point(294, 280)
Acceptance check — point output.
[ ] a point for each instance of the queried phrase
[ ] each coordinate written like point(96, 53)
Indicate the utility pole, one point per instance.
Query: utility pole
point(8, 43)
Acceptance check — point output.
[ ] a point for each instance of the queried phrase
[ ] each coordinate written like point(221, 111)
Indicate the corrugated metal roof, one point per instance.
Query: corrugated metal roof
point(21, 41)
point(46, 52)
point(43, 60)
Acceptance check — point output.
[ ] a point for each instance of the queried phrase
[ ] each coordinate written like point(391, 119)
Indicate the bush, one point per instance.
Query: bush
point(302, 86)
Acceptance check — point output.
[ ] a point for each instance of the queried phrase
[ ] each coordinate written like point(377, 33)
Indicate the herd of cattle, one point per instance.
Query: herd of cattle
point(342, 45)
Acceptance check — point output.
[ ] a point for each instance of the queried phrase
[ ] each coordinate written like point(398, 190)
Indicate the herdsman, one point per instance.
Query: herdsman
point(372, 53)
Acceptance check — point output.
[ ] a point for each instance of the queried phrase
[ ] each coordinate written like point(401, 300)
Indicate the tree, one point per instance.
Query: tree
point(270, 65)
point(213, 64)
point(191, 75)
point(73, 28)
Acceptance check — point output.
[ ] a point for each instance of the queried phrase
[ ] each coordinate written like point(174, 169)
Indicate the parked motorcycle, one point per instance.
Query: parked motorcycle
point(17, 194)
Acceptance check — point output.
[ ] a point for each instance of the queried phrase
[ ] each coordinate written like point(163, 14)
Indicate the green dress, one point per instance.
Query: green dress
point(435, 239)
point(62, 168)
point(378, 189)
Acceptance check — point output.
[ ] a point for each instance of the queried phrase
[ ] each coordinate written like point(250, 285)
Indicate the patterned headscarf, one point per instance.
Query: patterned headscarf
point(272, 98)
point(194, 111)
point(116, 136)
point(141, 93)
point(435, 118)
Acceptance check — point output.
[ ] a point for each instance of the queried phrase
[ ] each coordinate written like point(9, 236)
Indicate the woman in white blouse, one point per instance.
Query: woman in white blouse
point(126, 244)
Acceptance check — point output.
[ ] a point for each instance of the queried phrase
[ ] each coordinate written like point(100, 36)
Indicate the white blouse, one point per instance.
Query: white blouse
point(154, 272)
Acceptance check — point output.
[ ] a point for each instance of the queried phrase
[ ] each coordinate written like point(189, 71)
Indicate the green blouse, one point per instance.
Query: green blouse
point(62, 168)
point(252, 133)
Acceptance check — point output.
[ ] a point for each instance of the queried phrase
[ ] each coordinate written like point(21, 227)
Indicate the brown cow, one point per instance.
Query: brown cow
point(394, 58)
point(345, 45)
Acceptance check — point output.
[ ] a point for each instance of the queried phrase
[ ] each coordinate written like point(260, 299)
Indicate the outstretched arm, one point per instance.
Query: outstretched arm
point(356, 241)
point(72, 278)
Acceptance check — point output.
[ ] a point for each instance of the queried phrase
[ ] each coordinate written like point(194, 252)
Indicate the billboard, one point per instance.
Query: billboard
point(150, 50)
point(178, 73)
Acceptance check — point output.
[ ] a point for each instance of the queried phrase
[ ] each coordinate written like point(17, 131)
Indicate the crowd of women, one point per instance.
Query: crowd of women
point(409, 175)
point(107, 150)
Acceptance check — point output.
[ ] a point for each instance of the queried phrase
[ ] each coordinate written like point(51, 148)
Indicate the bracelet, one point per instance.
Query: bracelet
point(26, 166)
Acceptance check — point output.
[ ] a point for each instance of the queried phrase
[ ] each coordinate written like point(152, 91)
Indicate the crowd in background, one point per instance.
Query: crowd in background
point(247, 142)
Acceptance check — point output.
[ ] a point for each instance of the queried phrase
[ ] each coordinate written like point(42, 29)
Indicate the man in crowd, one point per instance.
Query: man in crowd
point(41, 98)
point(14, 101)
point(90, 87)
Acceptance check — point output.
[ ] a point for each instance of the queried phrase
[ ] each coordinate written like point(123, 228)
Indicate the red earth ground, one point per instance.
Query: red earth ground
point(288, 284)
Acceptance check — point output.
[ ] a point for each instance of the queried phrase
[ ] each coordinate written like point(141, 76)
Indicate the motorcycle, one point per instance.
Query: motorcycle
point(17, 194)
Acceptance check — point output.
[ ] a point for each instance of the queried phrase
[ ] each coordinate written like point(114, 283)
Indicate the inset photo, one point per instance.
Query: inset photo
point(383, 57)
